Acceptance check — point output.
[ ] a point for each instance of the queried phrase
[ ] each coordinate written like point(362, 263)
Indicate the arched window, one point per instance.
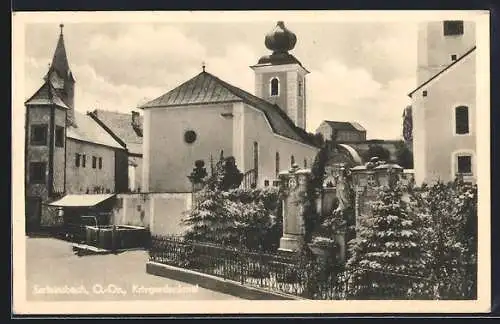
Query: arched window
point(277, 164)
point(462, 120)
point(255, 155)
point(275, 86)
point(292, 160)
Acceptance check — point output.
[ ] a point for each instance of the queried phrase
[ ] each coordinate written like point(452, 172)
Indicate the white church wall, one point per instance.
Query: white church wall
point(167, 158)
point(257, 129)
point(435, 140)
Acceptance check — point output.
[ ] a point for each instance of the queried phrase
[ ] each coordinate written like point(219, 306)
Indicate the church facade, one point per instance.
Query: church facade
point(66, 152)
point(206, 116)
point(444, 103)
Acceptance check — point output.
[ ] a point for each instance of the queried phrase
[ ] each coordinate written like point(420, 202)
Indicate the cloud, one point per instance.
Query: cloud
point(337, 92)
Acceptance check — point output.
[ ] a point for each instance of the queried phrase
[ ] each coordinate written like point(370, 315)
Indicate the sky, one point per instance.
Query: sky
point(360, 71)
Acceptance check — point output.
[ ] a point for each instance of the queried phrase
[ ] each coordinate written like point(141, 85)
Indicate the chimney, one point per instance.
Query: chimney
point(136, 123)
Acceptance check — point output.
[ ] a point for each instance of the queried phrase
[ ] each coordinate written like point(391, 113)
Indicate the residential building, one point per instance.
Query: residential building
point(127, 130)
point(444, 102)
point(344, 132)
point(66, 152)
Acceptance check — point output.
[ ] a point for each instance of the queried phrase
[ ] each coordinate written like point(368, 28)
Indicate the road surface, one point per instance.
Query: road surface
point(54, 273)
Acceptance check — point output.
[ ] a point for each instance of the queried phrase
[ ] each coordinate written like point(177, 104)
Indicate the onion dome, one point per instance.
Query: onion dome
point(280, 39)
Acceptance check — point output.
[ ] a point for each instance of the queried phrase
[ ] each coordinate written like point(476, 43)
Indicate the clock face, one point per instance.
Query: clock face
point(292, 183)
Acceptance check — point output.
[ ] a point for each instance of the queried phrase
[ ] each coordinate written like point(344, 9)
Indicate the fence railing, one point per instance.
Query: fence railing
point(275, 272)
point(250, 179)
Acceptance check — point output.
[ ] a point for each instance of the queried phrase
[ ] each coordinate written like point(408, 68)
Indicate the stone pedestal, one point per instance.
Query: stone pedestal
point(367, 179)
point(294, 186)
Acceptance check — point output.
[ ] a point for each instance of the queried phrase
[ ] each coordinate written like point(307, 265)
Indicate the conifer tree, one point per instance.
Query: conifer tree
point(385, 255)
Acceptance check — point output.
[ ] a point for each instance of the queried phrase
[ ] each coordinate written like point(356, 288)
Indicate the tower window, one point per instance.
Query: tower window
point(453, 57)
point(453, 27)
point(255, 155)
point(39, 134)
point(37, 172)
point(299, 88)
point(461, 120)
point(100, 163)
point(59, 136)
point(424, 93)
point(77, 160)
point(94, 162)
point(275, 86)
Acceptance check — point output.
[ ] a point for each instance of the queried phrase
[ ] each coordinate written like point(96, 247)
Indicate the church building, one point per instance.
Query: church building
point(67, 153)
point(205, 116)
point(444, 103)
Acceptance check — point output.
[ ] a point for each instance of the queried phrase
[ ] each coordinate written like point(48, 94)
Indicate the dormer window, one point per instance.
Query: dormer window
point(275, 87)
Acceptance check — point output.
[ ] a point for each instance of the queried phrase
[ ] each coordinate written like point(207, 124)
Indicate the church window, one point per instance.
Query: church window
point(453, 57)
point(37, 172)
point(453, 27)
point(300, 88)
point(277, 164)
point(275, 86)
point(94, 162)
point(100, 163)
point(255, 155)
point(292, 160)
point(84, 160)
point(266, 183)
point(305, 163)
point(189, 136)
point(59, 136)
point(461, 120)
point(39, 134)
point(77, 160)
point(424, 93)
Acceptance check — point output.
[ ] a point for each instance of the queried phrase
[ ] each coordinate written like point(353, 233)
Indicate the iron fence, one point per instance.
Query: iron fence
point(284, 273)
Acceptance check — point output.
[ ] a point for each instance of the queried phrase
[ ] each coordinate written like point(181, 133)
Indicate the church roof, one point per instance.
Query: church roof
point(206, 88)
point(120, 124)
point(348, 126)
point(46, 95)
point(89, 131)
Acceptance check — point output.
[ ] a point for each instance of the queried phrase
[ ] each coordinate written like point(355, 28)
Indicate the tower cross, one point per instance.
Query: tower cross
point(203, 66)
point(61, 26)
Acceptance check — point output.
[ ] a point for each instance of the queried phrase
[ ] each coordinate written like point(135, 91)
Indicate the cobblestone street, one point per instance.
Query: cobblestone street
point(54, 273)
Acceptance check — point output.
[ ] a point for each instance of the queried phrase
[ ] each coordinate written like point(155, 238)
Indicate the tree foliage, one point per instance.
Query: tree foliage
point(387, 242)
point(376, 150)
point(407, 124)
point(404, 156)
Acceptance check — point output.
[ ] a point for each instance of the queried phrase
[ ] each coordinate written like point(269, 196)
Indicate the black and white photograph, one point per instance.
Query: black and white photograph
point(234, 162)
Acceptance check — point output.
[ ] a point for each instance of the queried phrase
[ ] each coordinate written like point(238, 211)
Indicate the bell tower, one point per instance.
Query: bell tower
point(280, 78)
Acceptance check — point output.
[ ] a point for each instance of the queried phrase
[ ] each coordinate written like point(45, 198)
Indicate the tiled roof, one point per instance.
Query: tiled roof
point(348, 126)
point(46, 95)
point(206, 88)
point(120, 124)
point(88, 130)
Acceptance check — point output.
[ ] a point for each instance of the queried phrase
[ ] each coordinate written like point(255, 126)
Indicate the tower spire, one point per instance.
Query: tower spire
point(61, 26)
